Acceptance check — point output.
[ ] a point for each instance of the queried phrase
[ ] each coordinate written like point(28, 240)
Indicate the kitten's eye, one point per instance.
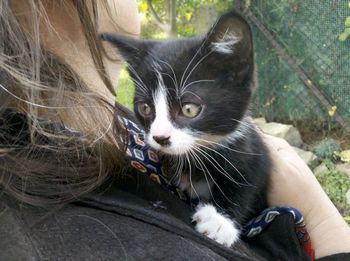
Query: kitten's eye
point(144, 109)
point(191, 110)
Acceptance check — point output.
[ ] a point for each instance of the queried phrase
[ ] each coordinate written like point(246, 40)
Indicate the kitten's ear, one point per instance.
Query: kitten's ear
point(132, 50)
point(231, 34)
point(231, 43)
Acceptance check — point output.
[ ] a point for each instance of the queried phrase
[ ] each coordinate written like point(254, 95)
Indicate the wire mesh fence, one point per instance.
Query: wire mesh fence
point(307, 32)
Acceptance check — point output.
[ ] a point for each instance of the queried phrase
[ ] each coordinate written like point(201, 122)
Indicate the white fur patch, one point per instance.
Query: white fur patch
point(161, 126)
point(215, 225)
point(226, 44)
point(240, 132)
point(181, 140)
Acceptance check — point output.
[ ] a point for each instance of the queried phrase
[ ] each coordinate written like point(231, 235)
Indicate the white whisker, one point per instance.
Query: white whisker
point(178, 172)
point(228, 148)
point(205, 170)
point(167, 74)
point(189, 64)
point(194, 67)
point(190, 169)
point(141, 88)
point(141, 84)
point(172, 70)
point(194, 82)
point(194, 56)
point(249, 126)
point(229, 162)
point(209, 158)
point(202, 167)
point(183, 93)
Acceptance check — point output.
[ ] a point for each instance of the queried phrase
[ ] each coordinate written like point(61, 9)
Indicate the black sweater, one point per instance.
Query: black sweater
point(134, 220)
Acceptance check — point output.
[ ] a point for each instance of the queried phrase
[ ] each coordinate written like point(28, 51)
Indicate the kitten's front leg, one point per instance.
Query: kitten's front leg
point(215, 225)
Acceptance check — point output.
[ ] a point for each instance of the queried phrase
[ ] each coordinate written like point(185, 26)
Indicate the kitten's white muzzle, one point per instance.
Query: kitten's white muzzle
point(180, 142)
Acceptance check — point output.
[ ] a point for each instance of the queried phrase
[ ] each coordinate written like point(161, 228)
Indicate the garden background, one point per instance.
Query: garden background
point(302, 50)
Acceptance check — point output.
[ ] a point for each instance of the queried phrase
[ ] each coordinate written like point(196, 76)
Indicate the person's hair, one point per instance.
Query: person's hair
point(53, 166)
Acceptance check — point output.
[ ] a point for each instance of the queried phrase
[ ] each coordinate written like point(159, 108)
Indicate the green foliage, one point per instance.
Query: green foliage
point(347, 219)
point(247, 3)
point(327, 149)
point(347, 21)
point(345, 156)
point(346, 33)
point(125, 90)
point(336, 185)
point(185, 15)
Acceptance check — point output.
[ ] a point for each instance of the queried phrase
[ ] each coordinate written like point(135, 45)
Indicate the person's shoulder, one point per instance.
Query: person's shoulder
point(101, 227)
point(15, 243)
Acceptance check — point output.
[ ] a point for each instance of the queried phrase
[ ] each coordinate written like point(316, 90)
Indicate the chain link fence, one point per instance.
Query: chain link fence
point(304, 69)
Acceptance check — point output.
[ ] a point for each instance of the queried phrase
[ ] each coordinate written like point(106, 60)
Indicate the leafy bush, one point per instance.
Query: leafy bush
point(327, 149)
point(336, 184)
point(125, 90)
point(346, 33)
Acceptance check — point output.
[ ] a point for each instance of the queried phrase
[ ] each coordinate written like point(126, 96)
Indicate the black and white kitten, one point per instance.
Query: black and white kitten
point(192, 96)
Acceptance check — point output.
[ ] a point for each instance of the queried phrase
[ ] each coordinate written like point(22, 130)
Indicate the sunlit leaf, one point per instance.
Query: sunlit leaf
point(345, 156)
point(344, 35)
point(188, 16)
point(347, 21)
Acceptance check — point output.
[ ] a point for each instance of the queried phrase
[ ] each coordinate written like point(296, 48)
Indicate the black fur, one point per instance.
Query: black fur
point(226, 99)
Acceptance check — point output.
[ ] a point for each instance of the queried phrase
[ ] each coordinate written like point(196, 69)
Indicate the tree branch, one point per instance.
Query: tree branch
point(172, 19)
point(157, 19)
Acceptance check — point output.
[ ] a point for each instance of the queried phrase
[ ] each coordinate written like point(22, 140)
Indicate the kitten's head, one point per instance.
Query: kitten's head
point(192, 92)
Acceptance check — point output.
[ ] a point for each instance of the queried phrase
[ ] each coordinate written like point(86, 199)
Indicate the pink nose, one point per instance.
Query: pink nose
point(162, 140)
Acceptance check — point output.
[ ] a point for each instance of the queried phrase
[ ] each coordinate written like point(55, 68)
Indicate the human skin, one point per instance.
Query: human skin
point(293, 184)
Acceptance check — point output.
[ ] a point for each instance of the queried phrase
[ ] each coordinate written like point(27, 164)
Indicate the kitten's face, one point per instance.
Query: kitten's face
point(192, 93)
point(180, 108)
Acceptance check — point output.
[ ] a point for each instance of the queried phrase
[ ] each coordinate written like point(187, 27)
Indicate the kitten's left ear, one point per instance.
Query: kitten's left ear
point(132, 50)
point(231, 43)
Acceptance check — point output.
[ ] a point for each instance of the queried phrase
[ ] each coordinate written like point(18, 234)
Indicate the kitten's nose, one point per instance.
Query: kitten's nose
point(162, 140)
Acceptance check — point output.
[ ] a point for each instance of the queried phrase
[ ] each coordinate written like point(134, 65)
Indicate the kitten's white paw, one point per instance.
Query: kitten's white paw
point(215, 225)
